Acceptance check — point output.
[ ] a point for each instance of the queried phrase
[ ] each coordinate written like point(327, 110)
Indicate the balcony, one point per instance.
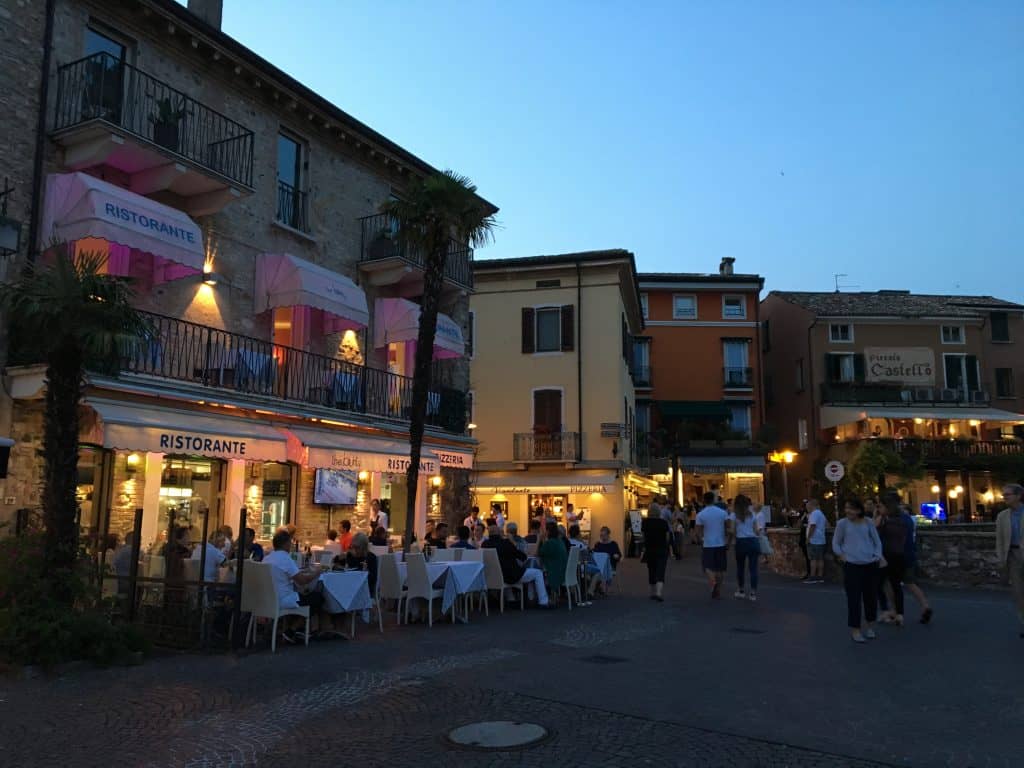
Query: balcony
point(555, 447)
point(388, 262)
point(642, 376)
point(193, 354)
point(111, 114)
point(738, 378)
point(292, 207)
point(956, 453)
point(841, 393)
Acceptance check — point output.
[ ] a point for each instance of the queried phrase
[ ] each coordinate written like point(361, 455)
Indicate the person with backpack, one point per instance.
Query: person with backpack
point(894, 529)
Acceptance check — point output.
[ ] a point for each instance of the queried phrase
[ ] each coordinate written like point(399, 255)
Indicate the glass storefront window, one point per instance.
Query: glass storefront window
point(189, 485)
point(552, 503)
point(277, 484)
point(90, 470)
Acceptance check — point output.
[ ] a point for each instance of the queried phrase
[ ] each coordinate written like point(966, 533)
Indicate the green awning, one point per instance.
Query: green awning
point(693, 409)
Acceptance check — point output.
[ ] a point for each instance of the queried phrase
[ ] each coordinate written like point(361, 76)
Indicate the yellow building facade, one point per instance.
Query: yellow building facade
point(552, 390)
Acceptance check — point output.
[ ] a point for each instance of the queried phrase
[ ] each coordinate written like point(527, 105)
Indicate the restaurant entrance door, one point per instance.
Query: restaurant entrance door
point(189, 485)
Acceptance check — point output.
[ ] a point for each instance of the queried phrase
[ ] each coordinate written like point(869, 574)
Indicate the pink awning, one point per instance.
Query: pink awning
point(144, 235)
point(283, 280)
point(398, 320)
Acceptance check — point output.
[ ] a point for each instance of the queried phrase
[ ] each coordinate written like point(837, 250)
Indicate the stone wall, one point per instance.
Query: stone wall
point(946, 558)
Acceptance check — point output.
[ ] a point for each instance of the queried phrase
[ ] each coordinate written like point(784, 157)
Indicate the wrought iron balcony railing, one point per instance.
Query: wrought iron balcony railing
point(738, 377)
point(380, 242)
point(291, 207)
point(101, 87)
point(556, 446)
point(187, 352)
point(842, 393)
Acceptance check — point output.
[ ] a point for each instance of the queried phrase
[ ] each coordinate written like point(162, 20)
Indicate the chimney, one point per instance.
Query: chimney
point(209, 11)
point(725, 268)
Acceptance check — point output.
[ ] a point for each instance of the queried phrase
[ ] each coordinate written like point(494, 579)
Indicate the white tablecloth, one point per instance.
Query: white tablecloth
point(346, 591)
point(458, 579)
point(604, 562)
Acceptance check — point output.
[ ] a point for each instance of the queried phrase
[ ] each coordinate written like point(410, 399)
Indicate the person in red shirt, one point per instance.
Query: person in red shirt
point(345, 539)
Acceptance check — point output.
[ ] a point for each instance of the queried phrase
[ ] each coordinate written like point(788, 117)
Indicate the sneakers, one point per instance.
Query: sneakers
point(858, 638)
point(870, 634)
point(752, 597)
point(740, 594)
point(926, 616)
point(659, 598)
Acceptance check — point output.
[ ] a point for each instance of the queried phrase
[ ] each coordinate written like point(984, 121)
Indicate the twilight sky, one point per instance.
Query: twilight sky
point(878, 139)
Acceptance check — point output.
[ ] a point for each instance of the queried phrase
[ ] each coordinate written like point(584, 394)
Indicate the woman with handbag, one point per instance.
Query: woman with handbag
point(748, 547)
point(858, 547)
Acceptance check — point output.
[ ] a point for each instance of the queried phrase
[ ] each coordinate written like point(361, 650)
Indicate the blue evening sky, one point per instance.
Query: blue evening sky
point(879, 139)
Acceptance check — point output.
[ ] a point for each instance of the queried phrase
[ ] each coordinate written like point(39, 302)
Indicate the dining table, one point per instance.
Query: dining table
point(347, 592)
point(454, 578)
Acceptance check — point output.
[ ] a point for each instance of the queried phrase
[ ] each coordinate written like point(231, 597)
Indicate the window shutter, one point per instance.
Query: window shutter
point(528, 330)
point(470, 328)
point(972, 374)
point(568, 328)
point(858, 368)
point(832, 367)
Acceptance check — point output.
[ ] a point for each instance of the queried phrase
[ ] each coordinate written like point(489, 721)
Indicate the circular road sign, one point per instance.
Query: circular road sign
point(835, 471)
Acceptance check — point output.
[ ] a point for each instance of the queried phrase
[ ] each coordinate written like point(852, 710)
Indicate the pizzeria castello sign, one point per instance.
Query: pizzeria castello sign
point(900, 365)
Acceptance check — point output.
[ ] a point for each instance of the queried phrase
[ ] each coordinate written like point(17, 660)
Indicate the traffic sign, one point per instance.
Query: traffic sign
point(834, 471)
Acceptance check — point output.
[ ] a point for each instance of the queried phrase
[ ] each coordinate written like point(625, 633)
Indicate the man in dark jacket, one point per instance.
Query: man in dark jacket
point(512, 562)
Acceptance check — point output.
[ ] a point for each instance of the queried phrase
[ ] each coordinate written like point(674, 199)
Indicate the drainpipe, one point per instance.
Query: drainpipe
point(37, 168)
point(579, 354)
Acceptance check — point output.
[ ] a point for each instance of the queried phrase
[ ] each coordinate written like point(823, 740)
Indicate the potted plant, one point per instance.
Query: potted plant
point(166, 122)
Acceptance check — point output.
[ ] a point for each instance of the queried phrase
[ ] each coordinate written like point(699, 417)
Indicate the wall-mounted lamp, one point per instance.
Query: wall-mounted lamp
point(209, 276)
point(471, 426)
point(364, 475)
point(436, 481)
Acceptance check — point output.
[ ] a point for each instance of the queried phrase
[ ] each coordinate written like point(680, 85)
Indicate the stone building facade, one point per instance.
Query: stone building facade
point(143, 65)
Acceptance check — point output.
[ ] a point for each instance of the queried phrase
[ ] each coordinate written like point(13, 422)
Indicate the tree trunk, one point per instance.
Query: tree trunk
point(433, 276)
point(60, 449)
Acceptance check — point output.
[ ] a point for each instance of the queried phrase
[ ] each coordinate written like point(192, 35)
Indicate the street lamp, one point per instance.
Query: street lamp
point(784, 458)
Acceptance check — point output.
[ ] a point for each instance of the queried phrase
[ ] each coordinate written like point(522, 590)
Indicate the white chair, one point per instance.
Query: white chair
point(378, 550)
point(327, 558)
point(572, 579)
point(259, 598)
point(458, 554)
point(474, 555)
point(389, 586)
point(495, 580)
point(418, 584)
point(443, 556)
point(531, 549)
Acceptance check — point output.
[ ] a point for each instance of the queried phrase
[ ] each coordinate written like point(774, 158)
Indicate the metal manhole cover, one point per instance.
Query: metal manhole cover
point(498, 735)
point(747, 631)
point(602, 659)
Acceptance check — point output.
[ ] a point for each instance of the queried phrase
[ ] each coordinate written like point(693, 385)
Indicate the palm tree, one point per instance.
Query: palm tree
point(71, 316)
point(443, 207)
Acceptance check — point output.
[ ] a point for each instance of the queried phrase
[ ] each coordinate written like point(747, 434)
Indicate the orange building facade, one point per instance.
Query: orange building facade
point(699, 396)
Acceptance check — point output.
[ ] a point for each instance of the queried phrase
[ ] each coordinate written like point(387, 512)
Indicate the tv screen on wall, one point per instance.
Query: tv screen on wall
point(334, 486)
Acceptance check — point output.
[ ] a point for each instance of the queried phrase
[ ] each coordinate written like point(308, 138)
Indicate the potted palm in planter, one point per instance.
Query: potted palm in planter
point(166, 122)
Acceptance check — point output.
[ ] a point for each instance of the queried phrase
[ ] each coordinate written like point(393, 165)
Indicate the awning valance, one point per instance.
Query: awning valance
point(506, 483)
point(693, 409)
point(137, 427)
point(398, 320)
point(283, 280)
point(79, 206)
point(336, 450)
point(833, 416)
point(713, 465)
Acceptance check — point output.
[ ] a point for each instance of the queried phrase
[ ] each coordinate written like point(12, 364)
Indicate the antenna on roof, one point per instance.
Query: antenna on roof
point(836, 276)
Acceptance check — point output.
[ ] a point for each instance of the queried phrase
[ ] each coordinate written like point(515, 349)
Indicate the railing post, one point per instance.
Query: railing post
point(133, 566)
point(207, 353)
point(236, 613)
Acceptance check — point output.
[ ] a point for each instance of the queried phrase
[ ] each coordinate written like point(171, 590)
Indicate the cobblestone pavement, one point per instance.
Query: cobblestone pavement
point(623, 682)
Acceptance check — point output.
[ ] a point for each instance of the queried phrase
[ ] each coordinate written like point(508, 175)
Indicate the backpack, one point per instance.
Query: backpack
point(894, 533)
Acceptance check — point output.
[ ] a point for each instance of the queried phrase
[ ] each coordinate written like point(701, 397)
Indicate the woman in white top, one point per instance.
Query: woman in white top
point(748, 549)
point(857, 545)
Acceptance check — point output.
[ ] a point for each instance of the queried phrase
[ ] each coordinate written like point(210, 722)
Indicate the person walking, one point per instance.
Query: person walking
point(748, 549)
point(713, 529)
point(858, 547)
point(910, 569)
point(657, 542)
point(893, 530)
point(802, 525)
point(816, 527)
point(1009, 540)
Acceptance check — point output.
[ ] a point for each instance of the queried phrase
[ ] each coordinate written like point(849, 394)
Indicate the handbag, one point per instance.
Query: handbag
point(765, 545)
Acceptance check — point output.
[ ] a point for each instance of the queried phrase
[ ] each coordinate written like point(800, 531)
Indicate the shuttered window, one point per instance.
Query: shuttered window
point(548, 329)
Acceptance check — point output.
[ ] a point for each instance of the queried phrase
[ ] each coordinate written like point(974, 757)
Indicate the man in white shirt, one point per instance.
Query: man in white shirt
point(816, 527)
point(214, 558)
point(499, 518)
point(288, 578)
point(713, 531)
point(378, 514)
point(472, 519)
